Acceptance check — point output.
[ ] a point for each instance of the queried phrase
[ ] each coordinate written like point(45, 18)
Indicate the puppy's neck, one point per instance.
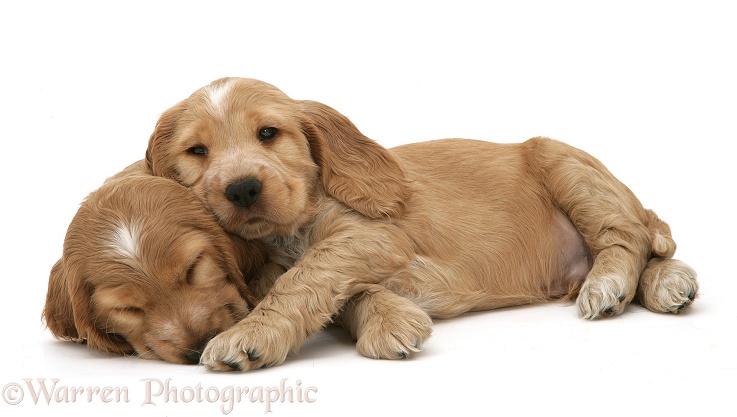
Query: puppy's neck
point(328, 219)
point(292, 247)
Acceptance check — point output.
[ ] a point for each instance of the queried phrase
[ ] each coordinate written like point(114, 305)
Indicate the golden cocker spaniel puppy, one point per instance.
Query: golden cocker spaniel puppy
point(146, 269)
point(392, 237)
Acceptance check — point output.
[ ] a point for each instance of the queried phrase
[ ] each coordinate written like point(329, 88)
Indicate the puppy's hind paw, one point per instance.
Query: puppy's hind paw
point(602, 297)
point(667, 286)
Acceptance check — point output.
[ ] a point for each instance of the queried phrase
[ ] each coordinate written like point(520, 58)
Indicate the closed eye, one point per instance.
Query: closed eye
point(130, 310)
point(204, 271)
point(117, 337)
point(190, 277)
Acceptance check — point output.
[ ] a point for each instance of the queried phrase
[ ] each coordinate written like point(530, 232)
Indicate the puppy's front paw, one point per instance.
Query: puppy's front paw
point(603, 296)
point(248, 345)
point(395, 337)
point(667, 286)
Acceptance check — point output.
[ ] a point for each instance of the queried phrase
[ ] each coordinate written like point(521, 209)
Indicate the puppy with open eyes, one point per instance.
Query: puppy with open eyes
point(431, 229)
point(146, 270)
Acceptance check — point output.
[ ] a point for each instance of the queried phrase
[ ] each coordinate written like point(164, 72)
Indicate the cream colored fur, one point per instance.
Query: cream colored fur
point(385, 239)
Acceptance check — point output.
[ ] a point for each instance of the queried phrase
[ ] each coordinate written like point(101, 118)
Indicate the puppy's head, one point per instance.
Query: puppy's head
point(262, 161)
point(146, 269)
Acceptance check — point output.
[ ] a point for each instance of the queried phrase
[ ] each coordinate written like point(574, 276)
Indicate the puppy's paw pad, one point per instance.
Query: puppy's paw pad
point(603, 297)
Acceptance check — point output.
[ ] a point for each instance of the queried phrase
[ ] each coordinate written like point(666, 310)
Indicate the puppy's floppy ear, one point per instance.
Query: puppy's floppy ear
point(158, 154)
point(247, 256)
point(261, 265)
point(57, 312)
point(354, 169)
point(68, 312)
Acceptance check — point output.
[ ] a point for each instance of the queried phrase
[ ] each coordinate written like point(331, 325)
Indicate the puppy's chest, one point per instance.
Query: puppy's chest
point(291, 247)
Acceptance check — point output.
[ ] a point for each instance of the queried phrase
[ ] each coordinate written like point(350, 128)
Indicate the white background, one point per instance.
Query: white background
point(648, 87)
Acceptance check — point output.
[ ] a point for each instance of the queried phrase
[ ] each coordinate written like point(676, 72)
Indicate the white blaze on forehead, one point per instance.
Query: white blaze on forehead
point(126, 240)
point(217, 95)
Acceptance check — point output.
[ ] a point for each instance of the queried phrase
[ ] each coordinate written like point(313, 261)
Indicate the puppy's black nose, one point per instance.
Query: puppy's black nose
point(244, 192)
point(193, 356)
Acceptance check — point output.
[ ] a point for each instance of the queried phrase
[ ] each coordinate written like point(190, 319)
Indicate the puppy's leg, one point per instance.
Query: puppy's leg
point(611, 220)
point(304, 299)
point(667, 286)
point(297, 305)
point(384, 324)
point(611, 283)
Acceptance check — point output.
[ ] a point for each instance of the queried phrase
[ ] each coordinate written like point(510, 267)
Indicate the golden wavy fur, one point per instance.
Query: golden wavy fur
point(389, 238)
point(145, 269)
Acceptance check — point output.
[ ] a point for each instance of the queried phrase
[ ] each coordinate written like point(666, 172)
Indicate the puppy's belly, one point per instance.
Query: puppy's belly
point(502, 276)
point(575, 257)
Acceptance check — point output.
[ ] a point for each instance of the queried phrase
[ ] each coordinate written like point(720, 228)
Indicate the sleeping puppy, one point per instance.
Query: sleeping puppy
point(431, 229)
point(146, 269)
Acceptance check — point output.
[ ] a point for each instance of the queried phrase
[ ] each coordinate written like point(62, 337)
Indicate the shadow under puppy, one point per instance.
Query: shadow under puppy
point(431, 229)
point(147, 270)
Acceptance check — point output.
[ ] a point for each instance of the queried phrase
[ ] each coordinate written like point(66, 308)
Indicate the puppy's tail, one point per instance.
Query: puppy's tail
point(663, 245)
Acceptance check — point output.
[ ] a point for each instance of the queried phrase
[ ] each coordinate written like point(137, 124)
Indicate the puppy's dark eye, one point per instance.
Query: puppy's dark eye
point(198, 150)
point(267, 133)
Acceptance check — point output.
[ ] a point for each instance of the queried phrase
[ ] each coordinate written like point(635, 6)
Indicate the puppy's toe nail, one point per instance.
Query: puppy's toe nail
point(252, 355)
point(682, 306)
point(621, 298)
point(608, 310)
point(402, 355)
point(232, 365)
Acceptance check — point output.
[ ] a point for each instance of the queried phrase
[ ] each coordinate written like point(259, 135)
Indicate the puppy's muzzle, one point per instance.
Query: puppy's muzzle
point(243, 193)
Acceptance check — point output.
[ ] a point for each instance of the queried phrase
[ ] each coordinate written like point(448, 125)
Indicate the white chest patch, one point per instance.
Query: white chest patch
point(218, 96)
point(126, 240)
